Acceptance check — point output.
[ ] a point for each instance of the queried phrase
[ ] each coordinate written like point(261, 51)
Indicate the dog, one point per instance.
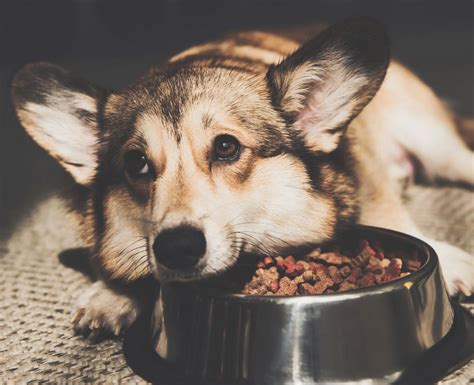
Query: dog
point(253, 143)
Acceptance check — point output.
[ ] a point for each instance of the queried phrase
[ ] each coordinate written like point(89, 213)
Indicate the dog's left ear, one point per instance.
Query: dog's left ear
point(61, 113)
point(326, 83)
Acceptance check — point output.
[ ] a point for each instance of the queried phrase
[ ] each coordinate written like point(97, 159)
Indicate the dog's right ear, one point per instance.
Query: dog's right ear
point(60, 112)
point(328, 81)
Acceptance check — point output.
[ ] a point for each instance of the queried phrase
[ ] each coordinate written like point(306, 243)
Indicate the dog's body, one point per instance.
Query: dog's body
point(317, 151)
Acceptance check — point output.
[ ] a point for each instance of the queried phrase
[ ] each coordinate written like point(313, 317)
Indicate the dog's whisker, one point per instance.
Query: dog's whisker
point(129, 242)
point(132, 258)
point(106, 239)
point(134, 265)
point(268, 225)
point(127, 256)
point(125, 253)
point(267, 234)
point(305, 189)
point(256, 244)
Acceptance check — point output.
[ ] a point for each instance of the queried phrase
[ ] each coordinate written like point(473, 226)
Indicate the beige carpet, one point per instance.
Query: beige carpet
point(37, 344)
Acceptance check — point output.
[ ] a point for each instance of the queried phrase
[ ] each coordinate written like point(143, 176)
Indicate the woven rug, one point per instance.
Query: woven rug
point(37, 344)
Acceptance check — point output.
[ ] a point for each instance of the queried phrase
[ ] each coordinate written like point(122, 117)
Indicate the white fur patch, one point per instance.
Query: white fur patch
point(330, 104)
point(65, 136)
point(101, 308)
point(284, 209)
point(323, 93)
point(152, 127)
point(297, 83)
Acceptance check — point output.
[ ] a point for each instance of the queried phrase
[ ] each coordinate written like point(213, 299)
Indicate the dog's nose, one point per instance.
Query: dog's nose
point(179, 247)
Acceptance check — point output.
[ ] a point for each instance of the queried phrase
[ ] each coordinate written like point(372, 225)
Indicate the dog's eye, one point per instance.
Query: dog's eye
point(136, 164)
point(226, 147)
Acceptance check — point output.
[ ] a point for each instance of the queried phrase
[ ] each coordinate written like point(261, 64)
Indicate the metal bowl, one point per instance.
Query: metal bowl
point(362, 336)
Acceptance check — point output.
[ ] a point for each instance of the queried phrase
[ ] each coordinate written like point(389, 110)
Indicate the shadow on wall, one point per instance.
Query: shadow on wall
point(111, 42)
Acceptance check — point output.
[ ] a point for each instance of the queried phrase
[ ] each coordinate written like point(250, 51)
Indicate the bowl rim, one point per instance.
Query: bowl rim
point(406, 282)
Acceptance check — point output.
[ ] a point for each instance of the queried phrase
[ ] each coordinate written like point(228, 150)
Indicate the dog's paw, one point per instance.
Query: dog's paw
point(457, 267)
point(101, 312)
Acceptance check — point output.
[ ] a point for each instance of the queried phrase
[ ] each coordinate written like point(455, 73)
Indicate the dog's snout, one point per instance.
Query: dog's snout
point(179, 247)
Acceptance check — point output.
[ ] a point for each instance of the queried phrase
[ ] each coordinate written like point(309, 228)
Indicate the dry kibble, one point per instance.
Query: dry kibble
point(305, 288)
point(318, 288)
point(333, 272)
point(280, 263)
point(291, 271)
point(378, 278)
point(395, 267)
point(316, 266)
point(302, 266)
point(313, 254)
point(379, 253)
point(274, 286)
point(384, 263)
point(346, 260)
point(268, 261)
point(374, 266)
point(362, 259)
point(331, 258)
point(289, 265)
point(345, 286)
point(309, 276)
point(386, 278)
point(367, 280)
point(287, 287)
point(354, 276)
point(329, 271)
point(324, 284)
point(345, 271)
point(321, 274)
point(298, 279)
point(412, 265)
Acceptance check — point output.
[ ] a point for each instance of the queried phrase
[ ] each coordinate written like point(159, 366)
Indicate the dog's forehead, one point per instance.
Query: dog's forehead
point(190, 100)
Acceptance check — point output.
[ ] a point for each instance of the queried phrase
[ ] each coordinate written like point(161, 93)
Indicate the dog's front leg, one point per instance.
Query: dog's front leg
point(104, 310)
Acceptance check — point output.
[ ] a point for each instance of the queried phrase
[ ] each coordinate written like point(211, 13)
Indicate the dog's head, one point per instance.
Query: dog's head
point(194, 165)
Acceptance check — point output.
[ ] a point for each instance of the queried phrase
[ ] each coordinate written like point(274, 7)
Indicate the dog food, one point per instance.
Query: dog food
point(329, 271)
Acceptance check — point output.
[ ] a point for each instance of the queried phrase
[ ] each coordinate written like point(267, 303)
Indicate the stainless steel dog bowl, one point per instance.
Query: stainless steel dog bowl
point(362, 336)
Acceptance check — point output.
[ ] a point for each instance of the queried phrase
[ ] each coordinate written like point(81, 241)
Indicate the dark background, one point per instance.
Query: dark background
point(111, 42)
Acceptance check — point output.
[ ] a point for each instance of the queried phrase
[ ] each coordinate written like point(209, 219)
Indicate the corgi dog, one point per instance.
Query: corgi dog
point(253, 143)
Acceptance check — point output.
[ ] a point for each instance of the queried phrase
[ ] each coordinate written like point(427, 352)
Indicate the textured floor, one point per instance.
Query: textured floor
point(36, 341)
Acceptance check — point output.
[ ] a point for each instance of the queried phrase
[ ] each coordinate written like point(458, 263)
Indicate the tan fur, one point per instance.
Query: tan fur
point(124, 249)
point(260, 47)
